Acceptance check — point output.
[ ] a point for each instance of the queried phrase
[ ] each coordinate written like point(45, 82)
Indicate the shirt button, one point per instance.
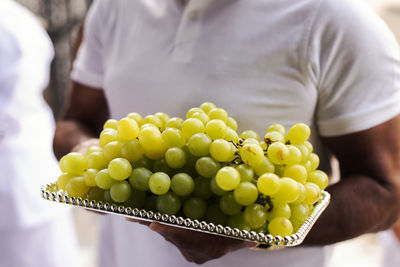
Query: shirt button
point(194, 15)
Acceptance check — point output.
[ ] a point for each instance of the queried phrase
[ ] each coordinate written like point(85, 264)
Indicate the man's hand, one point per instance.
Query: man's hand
point(85, 145)
point(199, 247)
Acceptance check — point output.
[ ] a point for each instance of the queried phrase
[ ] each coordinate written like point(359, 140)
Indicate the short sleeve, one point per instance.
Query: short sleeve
point(88, 67)
point(354, 62)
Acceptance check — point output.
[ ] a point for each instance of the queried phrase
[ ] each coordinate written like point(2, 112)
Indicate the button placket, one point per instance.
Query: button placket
point(189, 30)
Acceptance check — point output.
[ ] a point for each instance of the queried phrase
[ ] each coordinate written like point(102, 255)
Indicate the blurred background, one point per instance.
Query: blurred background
point(63, 19)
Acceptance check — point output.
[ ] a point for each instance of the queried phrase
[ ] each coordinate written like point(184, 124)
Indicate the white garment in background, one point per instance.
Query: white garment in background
point(332, 64)
point(33, 232)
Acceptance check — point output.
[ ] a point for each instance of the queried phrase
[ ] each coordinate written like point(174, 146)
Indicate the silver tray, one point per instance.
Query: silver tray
point(52, 193)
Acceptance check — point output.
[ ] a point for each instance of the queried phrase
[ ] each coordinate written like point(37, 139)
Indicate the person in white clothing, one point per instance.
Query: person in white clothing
point(33, 232)
point(332, 64)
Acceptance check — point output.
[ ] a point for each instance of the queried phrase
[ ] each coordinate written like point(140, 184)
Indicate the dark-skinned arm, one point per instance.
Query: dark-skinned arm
point(80, 125)
point(367, 198)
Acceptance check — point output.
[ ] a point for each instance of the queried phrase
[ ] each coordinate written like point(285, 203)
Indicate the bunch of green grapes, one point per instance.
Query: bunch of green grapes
point(201, 168)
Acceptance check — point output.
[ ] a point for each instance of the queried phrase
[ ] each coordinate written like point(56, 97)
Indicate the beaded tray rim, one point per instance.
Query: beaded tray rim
point(52, 193)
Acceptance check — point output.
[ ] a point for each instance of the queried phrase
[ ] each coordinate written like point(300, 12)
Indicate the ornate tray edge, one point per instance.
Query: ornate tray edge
point(49, 192)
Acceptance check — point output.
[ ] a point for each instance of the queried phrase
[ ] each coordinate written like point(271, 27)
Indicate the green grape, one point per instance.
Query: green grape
point(192, 126)
point(107, 136)
point(221, 150)
point(202, 188)
point(251, 141)
point(263, 229)
point(152, 119)
point(280, 226)
point(232, 123)
point(160, 165)
point(175, 157)
point(218, 113)
point(119, 169)
point(150, 137)
point(237, 221)
point(63, 179)
point(151, 202)
point(168, 203)
point(251, 154)
point(96, 160)
point(276, 127)
point(112, 150)
point(231, 135)
point(76, 187)
point(273, 136)
point(96, 193)
point(298, 133)
point(163, 117)
point(190, 158)
point(299, 214)
point(268, 184)
point(111, 123)
point(182, 184)
point(264, 167)
point(136, 200)
point(201, 116)
point(246, 172)
point(263, 145)
point(139, 178)
point(228, 205)
point(279, 170)
point(245, 193)
point(278, 153)
point(296, 172)
point(93, 149)
point(120, 191)
point(228, 178)
point(207, 106)
point(309, 146)
point(107, 197)
point(216, 129)
point(174, 122)
point(313, 193)
point(195, 208)
point(131, 150)
point(319, 178)
point(89, 176)
point(307, 165)
point(173, 137)
point(305, 153)
point(143, 162)
point(128, 129)
point(156, 152)
point(288, 191)
point(294, 155)
point(192, 111)
point(215, 188)
point(314, 161)
point(74, 163)
point(249, 134)
point(302, 194)
point(159, 183)
point(255, 215)
point(104, 180)
point(207, 167)
point(136, 116)
point(279, 210)
point(199, 144)
point(215, 215)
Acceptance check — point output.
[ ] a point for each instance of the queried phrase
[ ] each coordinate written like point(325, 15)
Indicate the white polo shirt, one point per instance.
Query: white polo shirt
point(332, 64)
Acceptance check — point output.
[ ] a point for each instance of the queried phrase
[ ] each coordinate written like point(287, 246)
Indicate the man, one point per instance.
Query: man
point(32, 231)
point(331, 64)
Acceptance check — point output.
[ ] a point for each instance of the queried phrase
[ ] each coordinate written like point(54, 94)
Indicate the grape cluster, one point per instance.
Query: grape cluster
point(201, 168)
